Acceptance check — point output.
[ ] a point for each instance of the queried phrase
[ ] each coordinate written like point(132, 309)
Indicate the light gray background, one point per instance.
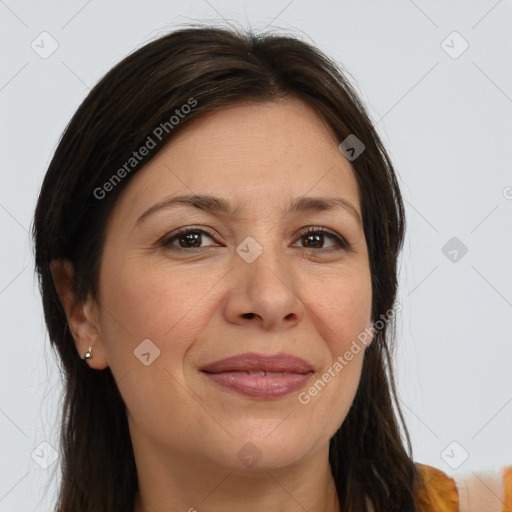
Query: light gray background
point(447, 123)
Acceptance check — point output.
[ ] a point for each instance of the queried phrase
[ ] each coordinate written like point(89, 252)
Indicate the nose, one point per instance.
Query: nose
point(264, 292)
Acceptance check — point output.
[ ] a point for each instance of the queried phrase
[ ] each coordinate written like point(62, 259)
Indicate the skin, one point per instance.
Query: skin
point(482, 491)
point(311, 301)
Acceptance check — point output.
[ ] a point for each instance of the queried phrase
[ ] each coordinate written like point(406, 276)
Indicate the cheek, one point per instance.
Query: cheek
point(341, 308)
point(165, 305)
point(341, 312)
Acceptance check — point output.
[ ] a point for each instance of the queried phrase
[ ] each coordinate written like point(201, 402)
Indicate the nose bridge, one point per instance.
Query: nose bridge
point(264, 284)
point(263, 261)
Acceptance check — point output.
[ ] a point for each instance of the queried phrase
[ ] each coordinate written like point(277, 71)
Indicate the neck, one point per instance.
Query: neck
point(175, 482)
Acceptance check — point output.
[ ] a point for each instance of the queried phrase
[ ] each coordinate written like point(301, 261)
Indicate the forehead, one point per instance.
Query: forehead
point(261, 154)
point(262, 131)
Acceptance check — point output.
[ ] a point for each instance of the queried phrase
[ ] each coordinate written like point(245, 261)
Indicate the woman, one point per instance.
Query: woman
point(216, 241)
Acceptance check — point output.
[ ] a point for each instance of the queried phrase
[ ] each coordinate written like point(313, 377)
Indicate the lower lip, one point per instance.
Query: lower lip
point(262, 387)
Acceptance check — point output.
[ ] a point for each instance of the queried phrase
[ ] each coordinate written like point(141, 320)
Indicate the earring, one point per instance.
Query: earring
point(88, 354)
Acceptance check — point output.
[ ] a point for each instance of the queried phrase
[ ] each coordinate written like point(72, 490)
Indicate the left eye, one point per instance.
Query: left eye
point(316, 236)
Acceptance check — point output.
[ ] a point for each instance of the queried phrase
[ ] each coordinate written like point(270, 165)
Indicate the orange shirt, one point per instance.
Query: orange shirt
point(441, 494)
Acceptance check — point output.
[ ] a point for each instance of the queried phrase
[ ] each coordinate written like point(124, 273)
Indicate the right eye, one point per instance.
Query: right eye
point(187, 238)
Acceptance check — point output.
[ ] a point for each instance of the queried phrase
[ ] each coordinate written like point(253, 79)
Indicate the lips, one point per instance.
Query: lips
point(260, 377)
point(252, 362)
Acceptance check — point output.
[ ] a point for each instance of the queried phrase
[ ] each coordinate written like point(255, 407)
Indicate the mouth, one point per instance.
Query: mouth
point(258, 376)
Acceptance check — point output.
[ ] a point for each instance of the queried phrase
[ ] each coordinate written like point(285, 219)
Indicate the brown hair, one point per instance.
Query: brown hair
point(216, 67)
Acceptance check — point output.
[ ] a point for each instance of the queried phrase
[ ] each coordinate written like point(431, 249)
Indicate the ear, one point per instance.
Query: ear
point(82, 317)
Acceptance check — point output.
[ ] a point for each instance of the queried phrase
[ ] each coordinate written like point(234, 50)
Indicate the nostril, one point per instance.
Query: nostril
point(248, 315)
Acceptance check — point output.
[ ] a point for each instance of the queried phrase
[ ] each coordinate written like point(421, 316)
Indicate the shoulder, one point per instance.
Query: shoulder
point(437, 492)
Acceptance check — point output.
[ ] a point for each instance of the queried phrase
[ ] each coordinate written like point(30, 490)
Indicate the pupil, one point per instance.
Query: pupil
point(317, 240)
point(191, 238)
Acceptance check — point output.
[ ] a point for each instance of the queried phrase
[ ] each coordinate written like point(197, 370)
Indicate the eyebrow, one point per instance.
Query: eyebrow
point(214, 204)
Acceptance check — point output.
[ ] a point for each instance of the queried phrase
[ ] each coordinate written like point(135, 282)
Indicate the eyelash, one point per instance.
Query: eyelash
point(340, 242)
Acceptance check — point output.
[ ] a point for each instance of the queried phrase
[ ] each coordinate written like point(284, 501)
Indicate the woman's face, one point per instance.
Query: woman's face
point(247, 279)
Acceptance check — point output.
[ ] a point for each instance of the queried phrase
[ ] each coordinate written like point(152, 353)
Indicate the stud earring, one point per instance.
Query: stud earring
point(88, 354)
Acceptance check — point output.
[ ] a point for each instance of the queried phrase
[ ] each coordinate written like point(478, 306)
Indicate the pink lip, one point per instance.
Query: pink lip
point(254, 362)
point(233, 373)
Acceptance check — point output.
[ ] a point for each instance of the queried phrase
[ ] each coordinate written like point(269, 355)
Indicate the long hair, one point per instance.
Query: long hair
point(209, 69)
